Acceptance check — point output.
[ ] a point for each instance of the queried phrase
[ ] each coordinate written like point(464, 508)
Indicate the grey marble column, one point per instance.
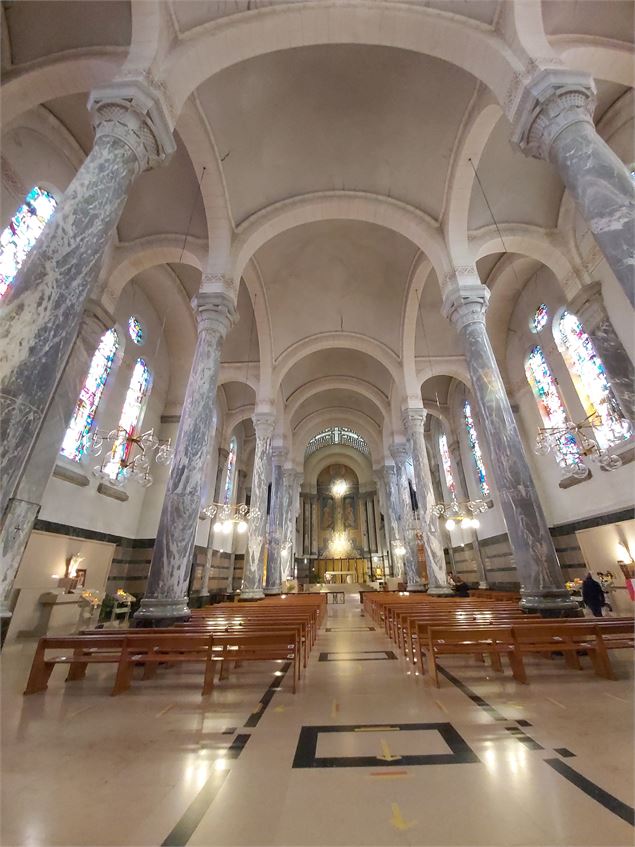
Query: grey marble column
point(400, 456)
point(42, 310)
point(165, 597)
point(454, 450)
point(241, 477)
point(439, 496)
point(384, 505)
point(554, 121)
point(588, 306)
point(273, 582)
point(209, 552)
point(413, 420)
point(288, 524)
point(24, 506)
point(252, 573)
point(541, 580)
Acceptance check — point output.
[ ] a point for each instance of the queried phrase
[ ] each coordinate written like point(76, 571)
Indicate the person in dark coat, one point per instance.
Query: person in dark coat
point(593, 595)
point(459, 587)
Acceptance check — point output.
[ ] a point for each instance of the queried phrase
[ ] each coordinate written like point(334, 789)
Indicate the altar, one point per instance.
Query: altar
point(351, 576)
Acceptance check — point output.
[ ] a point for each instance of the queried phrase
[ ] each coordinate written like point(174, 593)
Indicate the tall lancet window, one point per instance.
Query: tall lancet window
point(590, 380)
point(130, 420)
point(472, 438)
point(550, 405)
point(24, 229)
point(231, 471)
point(76, 438)
point(447, 464)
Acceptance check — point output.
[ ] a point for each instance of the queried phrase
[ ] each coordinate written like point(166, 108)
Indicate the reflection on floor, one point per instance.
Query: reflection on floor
point(363, 754)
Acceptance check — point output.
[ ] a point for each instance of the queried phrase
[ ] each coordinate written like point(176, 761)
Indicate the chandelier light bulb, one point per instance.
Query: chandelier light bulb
point(242, 527)
point(218, 526)
point(227, 527)
point(475, 523)
point(450, 524)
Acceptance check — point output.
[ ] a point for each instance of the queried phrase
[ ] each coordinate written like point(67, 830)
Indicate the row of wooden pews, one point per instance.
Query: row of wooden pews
point(221, 636)
point(426, 628)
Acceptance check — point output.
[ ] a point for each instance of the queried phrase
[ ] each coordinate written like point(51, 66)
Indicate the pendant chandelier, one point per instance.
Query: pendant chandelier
point(460, 515)
point(558, 440)
point(228, 517)
point(137, 453)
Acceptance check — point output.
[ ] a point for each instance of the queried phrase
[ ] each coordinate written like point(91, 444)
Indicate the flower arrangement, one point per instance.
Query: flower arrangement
point(93, 597)
point(122, 596)
point(574, 585)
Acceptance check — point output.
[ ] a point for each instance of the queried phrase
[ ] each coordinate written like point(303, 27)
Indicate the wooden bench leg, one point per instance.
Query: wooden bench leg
point(40, 674)
point(208, 680)
point(479, 657)
point(76, 671)
point(518, 667)
point(497, 664)
point(432, 661)
point(124, 676)
point(601, 661)
point(149, 670)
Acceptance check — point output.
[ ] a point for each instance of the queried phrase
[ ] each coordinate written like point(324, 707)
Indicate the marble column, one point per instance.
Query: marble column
point(554, 121)
point(413, 420)
point(439, 496)
point(23, 508)
point(43, 309)
point(380, 479)
point(399, 454)
point(288, 524)
point(454, 450)
point(252, 573)
point(209, 553)
point(273, 582)
point(165, 597)
point(541, 580)
point(588, 306)
point(241, 477)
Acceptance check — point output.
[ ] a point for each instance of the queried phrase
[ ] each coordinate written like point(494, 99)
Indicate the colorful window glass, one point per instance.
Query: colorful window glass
point(22, 232)
point(130, 419)
point(590, 380)
point(231, 469)
point(472, 438)
point(135, 330)
point(76, 437)
point(539, 318)
point(447, 464)
point(550, 405)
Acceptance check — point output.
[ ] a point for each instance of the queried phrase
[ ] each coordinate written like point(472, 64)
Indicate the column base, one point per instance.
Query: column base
point(441, 591)
point(274, 589)
point(483, 584)
point(550, 603)
point(161, 611)
point(415, 586)
point(252, 594)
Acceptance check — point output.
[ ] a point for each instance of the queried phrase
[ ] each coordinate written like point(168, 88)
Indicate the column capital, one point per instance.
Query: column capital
point(279, 454)
point(588, 306)
point(264, 424)
point(399, 453)
point(552, 101)
point(413, 419)
point(466, 303)
point(215, 311)
point(135, 113)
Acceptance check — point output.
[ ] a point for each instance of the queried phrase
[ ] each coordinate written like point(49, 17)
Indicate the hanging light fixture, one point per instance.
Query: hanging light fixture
point(139, 452)
point(229, 518)
point(339, 488)
point(551, 438)
point(460, 515)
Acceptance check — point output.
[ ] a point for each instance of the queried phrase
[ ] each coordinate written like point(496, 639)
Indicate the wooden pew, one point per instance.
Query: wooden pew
point(79, 652)
point(149, 648)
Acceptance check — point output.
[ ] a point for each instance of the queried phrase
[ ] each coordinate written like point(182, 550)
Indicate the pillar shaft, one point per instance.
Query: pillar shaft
point(174, 546)
point(43, 309)
point(393, 516)
point(252, 573)
point(541, 579)
point(555, 122)
point(288, 525)
point(414, 420)
point(273, 583)
point(408, 530)
point(209, 552)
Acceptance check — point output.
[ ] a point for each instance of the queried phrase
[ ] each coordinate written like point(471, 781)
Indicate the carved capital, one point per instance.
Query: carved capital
point(466, 304)
point(264, 424)
point(279, 454)
point(133, 112)
point(215, 312)
point(413, 420)
point(399, 453)
point(552, 101)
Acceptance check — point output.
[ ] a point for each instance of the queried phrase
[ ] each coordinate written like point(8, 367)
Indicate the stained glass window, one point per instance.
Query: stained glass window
point(550, 405)
point(447, 464)
point(130, 418)
point(539, 318)
point(135, 330)
point(76, 437)
point(590, 380)
point(231, 468)
point(472, 438)
point(22, 232)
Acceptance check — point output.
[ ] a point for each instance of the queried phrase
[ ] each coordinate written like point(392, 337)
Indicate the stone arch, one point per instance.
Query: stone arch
point(316, 422)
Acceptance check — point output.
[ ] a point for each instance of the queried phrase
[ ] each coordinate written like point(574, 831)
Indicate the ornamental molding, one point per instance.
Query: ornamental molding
point(264, 424)
point(466, 304)
point(134, 113)
point(413, 420)
point(215, 312)
point(399, 453)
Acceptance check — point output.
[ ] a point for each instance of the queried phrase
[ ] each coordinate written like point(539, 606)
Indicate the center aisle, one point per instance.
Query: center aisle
point(365, 754)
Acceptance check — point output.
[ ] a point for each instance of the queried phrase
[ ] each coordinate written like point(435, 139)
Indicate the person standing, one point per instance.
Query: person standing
point(593, 595)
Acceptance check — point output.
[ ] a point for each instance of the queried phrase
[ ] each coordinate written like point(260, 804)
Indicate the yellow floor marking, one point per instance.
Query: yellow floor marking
point(335, 707)
point(163, 711)
point(397, 819)
point(376, 729)
point(280, 709)
point(79, 711)
point(613, 697)
point(391, 774)
point(386, 755)
point(441, 706)
point(555, 702)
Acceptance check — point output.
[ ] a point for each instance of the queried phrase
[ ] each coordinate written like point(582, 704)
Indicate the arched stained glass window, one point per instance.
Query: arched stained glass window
point(76, 438)
point(539, 318)
point(550, 405)
point(130, 419)
point(472, 438)
point(22, 232)
point(590, 380)
point(447, 464)
point(231, 471)
point(135, 330)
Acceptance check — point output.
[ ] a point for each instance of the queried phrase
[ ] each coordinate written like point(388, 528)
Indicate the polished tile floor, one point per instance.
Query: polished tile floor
point(363, 754)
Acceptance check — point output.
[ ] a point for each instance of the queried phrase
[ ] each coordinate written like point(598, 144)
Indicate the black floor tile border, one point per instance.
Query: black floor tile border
point(326, 657)
point(305, 754)
point(254, 718)
point(620, 809)
point(474, 697)
point(525, 739)
point(564, 752)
